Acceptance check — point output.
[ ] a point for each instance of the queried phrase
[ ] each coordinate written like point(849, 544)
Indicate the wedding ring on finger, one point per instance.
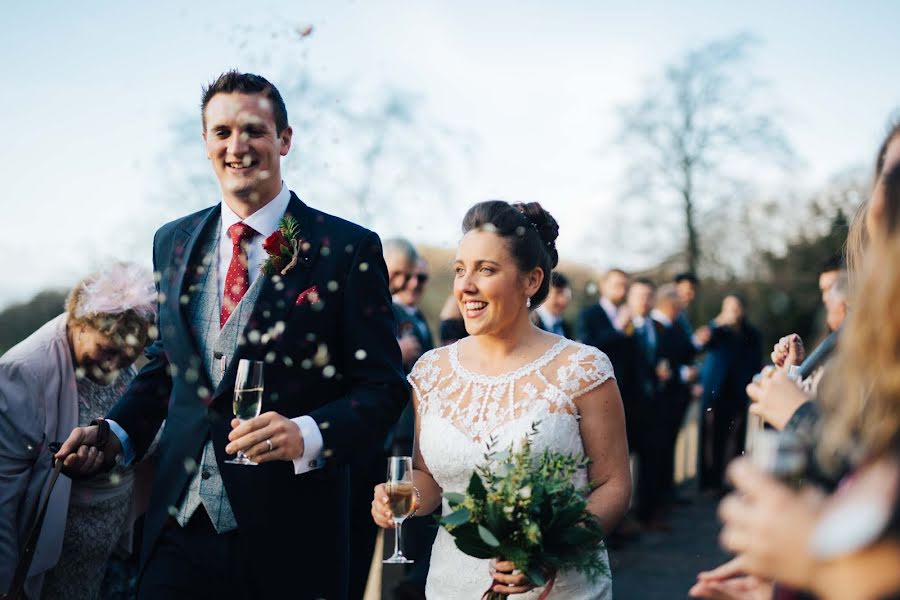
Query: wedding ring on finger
point(271, 445)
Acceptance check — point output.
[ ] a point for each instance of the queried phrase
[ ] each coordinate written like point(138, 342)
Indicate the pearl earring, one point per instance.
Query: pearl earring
point(528, 302)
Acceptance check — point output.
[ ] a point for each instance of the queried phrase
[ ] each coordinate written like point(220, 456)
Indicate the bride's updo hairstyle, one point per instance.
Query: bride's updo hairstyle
point(529, 230)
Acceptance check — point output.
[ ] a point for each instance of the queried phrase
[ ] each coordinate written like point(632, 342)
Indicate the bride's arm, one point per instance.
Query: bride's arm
point(603, 435)
point(430, 492)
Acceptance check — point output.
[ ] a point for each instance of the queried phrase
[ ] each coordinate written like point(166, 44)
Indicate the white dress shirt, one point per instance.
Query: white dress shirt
point(611, 311)
point(264, 221)
point(552, 322)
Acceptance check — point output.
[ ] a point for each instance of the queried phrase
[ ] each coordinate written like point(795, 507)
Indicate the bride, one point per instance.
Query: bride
point(496, 383)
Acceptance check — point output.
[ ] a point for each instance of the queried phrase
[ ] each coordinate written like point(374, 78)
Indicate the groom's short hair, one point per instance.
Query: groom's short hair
point(246, 83)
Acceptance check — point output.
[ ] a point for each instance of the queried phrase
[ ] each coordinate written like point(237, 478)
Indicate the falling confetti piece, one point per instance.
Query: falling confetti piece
point(304, 30)
point(360, 354)
point(329, 371)
point(333, 286)
point(322, 356)
point(364, 267)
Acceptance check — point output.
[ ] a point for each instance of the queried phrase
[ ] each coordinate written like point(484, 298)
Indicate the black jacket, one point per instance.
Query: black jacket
point(355, 403)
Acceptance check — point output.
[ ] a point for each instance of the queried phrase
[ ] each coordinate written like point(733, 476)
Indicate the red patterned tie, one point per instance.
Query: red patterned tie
point(237, 281)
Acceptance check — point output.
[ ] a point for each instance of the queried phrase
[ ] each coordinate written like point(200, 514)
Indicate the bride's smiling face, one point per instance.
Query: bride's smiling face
point(488, 285)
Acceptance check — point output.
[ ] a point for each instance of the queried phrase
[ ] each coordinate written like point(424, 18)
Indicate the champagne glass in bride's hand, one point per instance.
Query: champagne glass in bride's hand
point(401, 499)
point(248, 391)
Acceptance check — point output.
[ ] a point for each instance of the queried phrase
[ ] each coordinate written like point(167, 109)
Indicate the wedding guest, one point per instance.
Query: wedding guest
point(675, 371)
point(648, 425)
point(828, 274)
point(68, 373)
point(607, 326)
point(847, 545)
point(419, 534)
point(549, 315)
point(452, 327)
point(411, 321)
point(686, 284)
point(733, 358)
point(858, 425)
point(400, 257)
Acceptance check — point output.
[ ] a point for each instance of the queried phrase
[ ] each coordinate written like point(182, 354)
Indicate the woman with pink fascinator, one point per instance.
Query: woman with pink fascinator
point(66, 374)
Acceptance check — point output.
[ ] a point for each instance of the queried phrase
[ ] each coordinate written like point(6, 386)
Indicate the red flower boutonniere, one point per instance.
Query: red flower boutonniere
point(283, 247)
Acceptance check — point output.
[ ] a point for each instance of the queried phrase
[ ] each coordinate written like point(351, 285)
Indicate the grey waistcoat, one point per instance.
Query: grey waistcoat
point(204, 307)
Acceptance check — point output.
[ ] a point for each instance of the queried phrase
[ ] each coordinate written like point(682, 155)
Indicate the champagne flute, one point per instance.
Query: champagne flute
point(401, 498)
point(248, 391)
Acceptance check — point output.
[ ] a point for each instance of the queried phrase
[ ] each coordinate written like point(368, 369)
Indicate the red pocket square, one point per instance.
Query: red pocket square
point(311, 295)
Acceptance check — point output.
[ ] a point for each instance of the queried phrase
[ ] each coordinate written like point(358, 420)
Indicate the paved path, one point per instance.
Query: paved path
point(663, 566)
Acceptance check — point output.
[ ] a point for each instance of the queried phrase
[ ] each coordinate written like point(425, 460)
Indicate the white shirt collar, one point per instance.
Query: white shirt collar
point(660, 316)
point(546, 316)
point(265, 220)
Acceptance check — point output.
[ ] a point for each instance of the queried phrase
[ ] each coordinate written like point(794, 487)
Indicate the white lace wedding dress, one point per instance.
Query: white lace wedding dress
point(460, 410)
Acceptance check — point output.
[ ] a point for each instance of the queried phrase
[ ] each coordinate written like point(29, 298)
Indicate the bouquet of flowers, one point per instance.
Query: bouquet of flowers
point(524, 507)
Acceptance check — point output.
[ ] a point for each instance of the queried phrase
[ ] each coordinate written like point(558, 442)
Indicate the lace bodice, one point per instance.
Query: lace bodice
point(460, 411)
point(478, 404)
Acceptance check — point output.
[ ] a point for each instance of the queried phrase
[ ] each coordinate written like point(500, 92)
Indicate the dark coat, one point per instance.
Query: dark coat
point(355, 403)
point(733, 357)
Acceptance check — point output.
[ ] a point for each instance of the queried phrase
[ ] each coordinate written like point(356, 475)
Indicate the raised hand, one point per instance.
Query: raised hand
point(789, 351)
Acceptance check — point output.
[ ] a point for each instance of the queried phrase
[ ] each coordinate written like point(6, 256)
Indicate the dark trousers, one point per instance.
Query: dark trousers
point(678, 404)
point(364, 476)
point(723, 429)
point(195, 562)
point(651, 452)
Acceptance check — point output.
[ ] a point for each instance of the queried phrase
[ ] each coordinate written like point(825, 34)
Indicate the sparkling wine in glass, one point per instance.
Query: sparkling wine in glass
point(248, 392)
point(401, 500)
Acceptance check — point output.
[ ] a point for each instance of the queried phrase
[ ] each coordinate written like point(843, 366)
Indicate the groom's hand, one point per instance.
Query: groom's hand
point(84, 453)
point(270, 436)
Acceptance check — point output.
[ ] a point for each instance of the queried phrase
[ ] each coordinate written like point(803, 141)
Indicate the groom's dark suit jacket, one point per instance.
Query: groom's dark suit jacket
point(292, 528)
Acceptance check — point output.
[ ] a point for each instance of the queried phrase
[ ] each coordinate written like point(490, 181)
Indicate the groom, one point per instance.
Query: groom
point(320, 320)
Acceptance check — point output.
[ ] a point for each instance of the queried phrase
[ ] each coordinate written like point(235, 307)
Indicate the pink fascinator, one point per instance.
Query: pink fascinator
point(117, 288)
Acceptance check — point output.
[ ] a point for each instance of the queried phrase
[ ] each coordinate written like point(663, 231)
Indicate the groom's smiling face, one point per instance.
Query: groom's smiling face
point(244, 147)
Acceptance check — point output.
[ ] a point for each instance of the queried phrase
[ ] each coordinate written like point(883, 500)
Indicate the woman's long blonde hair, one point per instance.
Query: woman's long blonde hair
point(861, 395)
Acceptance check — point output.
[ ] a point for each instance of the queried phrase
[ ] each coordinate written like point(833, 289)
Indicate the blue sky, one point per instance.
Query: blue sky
point(91, 91)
